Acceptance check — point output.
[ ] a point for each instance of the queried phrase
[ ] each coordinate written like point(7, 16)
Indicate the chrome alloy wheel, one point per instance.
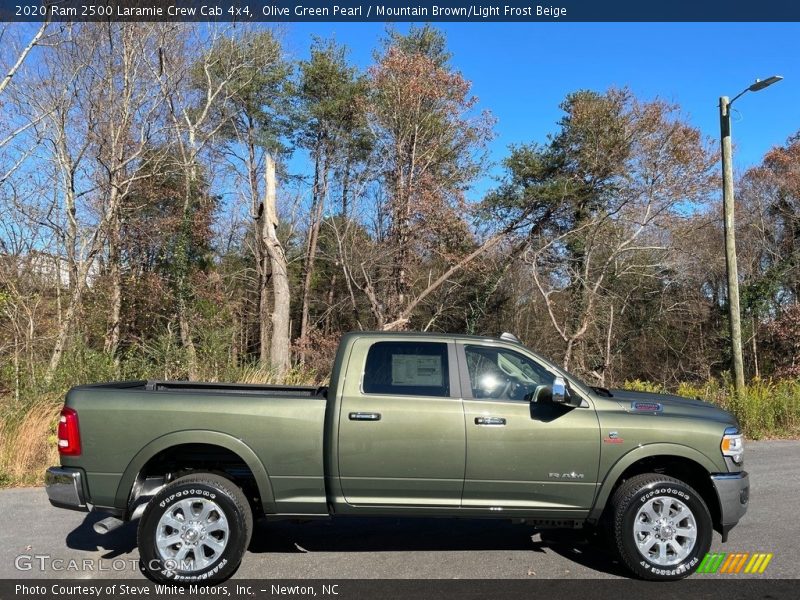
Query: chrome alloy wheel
point(664, 531)
point(192, 535)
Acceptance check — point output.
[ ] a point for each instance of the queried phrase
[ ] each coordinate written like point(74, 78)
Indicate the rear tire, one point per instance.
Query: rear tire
point(196, 530)
point(661, 527)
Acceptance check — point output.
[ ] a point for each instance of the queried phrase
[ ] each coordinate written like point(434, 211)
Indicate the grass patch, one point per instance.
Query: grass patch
point(28, 442)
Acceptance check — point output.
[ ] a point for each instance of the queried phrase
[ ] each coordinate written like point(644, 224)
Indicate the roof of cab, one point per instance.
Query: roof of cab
point(425, 334)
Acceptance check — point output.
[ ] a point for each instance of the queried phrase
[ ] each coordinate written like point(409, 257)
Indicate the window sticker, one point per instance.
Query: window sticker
point(416, 369)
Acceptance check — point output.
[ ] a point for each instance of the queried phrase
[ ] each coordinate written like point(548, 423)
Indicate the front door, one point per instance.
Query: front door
point(522, 454)
point(401, 428)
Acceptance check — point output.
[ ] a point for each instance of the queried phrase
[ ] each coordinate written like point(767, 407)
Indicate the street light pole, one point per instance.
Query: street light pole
point(730, 230)
point(730, 244)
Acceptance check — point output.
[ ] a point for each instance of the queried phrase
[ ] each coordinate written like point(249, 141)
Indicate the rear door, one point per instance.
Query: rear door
point(522, 454)
point(401, 427)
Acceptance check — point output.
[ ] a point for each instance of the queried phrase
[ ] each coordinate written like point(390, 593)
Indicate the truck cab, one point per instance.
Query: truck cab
point(460, 423)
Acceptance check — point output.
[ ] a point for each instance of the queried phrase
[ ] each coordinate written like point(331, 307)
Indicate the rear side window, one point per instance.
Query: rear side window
point(407, 369)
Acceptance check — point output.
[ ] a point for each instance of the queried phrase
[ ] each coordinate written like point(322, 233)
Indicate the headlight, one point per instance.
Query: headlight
point(732, 445)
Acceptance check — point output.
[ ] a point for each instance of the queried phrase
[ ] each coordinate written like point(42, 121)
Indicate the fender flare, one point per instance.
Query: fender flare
point(637, 454)
point(198, 436)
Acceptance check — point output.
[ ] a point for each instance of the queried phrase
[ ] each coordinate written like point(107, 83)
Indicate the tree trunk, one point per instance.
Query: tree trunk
point(568, 354)
point(400, 270)
point(64, 330)
point(345, 186)
point(317, 208)
point(756, 372)
point(260, 253)
point(399, 242)
point(115, 301)
point(182, 260)
point(16, 365)
point(186, 339)
point(279, 348)
point(264, 305)
point(236, 336)
point(329, 298)
point(59, 308)
point(606, 374)
point(183, 304)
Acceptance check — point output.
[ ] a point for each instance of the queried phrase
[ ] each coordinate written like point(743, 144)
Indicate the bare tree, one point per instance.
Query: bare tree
point(12, 59)
point(279, 347)
point(14, 68)
point(126, 106)
point(55, 98)
point(200, 90)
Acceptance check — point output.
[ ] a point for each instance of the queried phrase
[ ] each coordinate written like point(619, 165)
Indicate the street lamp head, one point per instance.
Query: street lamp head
point(760, 84)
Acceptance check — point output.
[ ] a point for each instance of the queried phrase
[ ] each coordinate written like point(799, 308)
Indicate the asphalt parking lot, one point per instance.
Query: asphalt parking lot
point(400, 548)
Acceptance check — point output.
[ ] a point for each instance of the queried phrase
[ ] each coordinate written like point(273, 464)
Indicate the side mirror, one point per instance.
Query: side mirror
point(560, 393)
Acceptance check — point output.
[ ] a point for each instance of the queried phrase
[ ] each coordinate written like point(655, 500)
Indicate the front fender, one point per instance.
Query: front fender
point(215, 438)
point(637, 454)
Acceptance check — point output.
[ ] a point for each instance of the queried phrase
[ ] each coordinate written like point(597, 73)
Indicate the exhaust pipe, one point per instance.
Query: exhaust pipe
point(107, 524)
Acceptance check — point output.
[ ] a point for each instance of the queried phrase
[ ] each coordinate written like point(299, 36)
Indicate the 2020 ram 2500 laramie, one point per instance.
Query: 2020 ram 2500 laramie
point(410, 425)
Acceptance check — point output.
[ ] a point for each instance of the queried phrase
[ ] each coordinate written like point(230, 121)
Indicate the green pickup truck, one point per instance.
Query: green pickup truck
point(411, 424)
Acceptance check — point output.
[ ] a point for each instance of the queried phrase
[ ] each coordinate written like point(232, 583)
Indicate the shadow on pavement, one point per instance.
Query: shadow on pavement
point(117, 542)
point(380, 534)
point(574, 546)
point(386, 534)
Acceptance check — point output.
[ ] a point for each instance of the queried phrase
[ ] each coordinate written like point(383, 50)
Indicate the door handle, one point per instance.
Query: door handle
point(364, 416)
point(500, 421)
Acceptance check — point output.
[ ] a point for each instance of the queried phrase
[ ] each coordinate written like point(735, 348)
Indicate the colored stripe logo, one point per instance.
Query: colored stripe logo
point(735, 562)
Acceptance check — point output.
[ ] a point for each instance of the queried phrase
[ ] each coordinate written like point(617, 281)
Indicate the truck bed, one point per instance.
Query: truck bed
point(277, 428)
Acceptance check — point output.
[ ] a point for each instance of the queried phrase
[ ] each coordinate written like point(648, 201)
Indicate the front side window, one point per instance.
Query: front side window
point(407, 369)
point(503, 374)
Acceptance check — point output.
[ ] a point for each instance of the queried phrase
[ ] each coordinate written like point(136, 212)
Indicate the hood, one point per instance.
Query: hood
point(674, 405)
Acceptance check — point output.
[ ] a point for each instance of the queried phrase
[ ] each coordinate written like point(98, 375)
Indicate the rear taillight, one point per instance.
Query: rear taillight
point(69, 436)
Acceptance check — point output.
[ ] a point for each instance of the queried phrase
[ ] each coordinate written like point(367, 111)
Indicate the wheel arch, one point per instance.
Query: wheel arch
point(200, 437)
point(682, 462)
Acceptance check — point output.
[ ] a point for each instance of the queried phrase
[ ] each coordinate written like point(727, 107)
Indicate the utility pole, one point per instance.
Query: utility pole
point(730, 244)
point(734, 312)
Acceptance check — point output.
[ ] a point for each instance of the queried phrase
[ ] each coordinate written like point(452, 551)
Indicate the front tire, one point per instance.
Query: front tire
point(661, 527)
point(196, 529)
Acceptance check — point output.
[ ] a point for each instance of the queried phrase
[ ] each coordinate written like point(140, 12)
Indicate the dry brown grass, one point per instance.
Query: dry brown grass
point(28, 444)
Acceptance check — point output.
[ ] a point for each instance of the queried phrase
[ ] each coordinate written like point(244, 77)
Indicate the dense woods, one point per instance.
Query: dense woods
point(187, 201)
